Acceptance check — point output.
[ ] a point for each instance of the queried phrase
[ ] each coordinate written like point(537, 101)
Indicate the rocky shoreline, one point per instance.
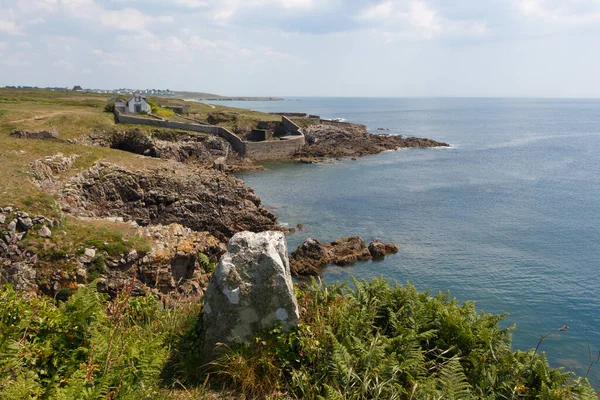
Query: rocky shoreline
point(186, 209)
point(353, 140)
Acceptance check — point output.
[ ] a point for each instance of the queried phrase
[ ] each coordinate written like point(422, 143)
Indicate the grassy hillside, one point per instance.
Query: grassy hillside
point(75, 115)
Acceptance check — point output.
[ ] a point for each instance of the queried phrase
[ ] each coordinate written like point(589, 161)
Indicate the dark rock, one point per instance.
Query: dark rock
point(24, 224)
point(34, 134)
point(352, 140)
point(349, 250)
point(312, 256)
point(379, 249)
point(203, 200)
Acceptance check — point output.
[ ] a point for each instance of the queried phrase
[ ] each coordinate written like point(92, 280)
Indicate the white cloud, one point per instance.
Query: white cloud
point(9, 27)
point(127, 19)
point(191, 3)
point(63, 64)
point(377, 11)
point(225, 9)
point(24, 45)
point(416, 19)
point(420, 16)
point(175, 45)
point(199, 43)
point(36, 21)
point(33, 6)
point(2, 45)
point(566, 12)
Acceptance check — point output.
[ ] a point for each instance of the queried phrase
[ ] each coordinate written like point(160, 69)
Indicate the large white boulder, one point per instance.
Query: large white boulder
point(251, 289)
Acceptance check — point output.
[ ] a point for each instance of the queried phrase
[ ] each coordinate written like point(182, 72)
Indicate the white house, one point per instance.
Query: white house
point(136, 104)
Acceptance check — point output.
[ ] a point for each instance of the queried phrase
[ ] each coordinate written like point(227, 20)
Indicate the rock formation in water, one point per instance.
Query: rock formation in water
point(251, 289)
point(312, 255)
point(348, 140)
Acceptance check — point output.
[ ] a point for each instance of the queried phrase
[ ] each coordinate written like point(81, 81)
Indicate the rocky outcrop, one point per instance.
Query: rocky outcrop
point(180, 260)
point(203, 200)
point(46, 170)
point(184, 147)
point(51, 134)
point(348, 140)
point(250, 290)
point(18, 265)
point(312, 256)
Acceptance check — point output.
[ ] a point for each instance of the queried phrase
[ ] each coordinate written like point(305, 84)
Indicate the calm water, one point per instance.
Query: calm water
point(508, 217)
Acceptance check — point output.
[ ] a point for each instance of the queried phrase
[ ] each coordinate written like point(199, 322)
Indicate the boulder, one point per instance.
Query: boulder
point(309, 257)
point(251, 289)
point(24, 224)
point(45, 232)
point(379, 249)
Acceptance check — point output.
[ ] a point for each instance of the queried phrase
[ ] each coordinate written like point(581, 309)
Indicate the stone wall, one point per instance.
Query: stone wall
point(274, 149)
point(290, 114)
point(337, 123)
point(257, 151)
point(291, 126)
point(309, 120)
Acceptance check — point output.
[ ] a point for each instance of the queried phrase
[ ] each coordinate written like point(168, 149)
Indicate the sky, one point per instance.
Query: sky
point(379, 48)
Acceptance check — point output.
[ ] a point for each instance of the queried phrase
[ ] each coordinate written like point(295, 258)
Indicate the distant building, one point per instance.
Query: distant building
point(77, 88)
point(136, 104)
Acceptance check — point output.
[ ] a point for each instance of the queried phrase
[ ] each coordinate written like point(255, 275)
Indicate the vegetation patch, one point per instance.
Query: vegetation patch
point(74, 235)
point(374, 341)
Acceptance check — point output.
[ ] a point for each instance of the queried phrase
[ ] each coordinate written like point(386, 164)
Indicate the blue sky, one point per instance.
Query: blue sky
point(531, 48)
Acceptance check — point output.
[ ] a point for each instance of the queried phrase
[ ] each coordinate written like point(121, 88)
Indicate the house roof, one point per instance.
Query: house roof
point(136, 95)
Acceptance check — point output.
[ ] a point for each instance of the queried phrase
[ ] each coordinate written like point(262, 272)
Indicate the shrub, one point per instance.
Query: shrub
point(378, 341)
point(371, 341)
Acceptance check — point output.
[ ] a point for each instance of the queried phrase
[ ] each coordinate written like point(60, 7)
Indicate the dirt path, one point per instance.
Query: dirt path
point(37, 117)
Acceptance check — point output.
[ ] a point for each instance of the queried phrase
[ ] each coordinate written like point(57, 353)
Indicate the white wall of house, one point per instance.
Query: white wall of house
point(137, 104)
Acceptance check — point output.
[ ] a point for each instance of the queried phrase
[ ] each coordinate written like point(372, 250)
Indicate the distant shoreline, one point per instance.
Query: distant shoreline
point(239, 99)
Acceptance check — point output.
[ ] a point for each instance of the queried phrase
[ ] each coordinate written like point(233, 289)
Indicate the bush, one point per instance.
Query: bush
point(109, 107)
point(378, 341)
point(161, 112)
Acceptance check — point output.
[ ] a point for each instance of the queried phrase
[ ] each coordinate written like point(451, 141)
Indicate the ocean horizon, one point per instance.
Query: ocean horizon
point(507, 217)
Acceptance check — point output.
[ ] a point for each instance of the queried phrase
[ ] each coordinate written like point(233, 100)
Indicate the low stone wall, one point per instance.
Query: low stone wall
point(291, 126)
point(258, 151)
point(273, 149)
point(290, 114)
point(305, 121)
point(338, 123)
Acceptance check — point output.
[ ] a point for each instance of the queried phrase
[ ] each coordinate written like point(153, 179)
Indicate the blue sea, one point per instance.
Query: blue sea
point(508, 217)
